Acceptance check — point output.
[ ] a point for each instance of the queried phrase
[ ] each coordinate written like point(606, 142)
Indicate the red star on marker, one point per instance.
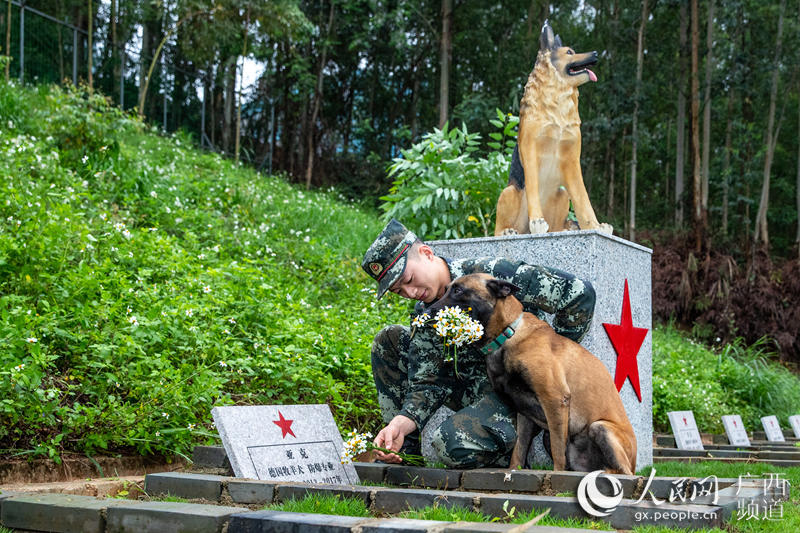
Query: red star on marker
point(734, 423)
point(627, 340)
point(285, 425)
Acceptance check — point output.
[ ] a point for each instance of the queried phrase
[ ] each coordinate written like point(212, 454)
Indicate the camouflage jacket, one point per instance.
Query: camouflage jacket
point(543, 290)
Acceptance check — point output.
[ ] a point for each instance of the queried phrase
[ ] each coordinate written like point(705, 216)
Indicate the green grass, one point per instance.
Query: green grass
point(323, 504)
point(451, 514)
point(730, 379)
point(143, 282)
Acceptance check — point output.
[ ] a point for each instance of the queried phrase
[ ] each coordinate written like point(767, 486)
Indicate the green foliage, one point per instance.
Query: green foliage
point(143, 282)
point(737, 380)
point(444, 188)
point(332, 504)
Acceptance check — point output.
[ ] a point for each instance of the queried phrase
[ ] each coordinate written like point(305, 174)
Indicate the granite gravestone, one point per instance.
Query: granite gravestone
point(794, 420)
point(734, 428)
point(283, 443)
point(610, 264)
point(685, 430)
point(772, 428)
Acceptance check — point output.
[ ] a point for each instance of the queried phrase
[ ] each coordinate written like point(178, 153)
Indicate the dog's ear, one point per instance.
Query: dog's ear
point(547, 39)
point(557, 42)
point(501, 289)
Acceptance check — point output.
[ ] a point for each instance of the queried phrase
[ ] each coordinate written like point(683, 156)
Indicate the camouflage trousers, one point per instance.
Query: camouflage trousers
point(480, 433)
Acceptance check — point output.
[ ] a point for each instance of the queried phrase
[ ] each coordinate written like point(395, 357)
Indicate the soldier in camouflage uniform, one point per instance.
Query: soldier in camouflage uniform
point(411, 373)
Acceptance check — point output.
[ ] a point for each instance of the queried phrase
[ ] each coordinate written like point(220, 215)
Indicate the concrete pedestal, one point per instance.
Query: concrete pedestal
point(606, 261)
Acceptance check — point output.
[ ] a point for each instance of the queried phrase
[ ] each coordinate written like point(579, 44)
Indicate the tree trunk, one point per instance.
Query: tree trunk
point(90, 47)
point(317, 100)
point(8, 36)
point(611, 171)
point(726, 169)
point(707, 105)
point(680, 126)
point(634, 135)
point(228, 103)
point(797, 189)
point(697, 199)
point(761, 234)
point(239, 95)
point(115, 65)
point(445, 54)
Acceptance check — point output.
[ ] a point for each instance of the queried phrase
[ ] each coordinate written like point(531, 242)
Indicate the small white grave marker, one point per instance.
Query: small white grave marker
point(685, 430)
point(734, 428)
point(283, 443)
point(794, 420)
point(772, 428)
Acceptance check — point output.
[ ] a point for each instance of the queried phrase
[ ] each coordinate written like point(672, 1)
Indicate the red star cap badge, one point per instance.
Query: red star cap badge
point(627, 340)
point(285, 425)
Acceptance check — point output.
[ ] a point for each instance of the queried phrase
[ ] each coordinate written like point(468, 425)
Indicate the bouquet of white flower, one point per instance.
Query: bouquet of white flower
point(358, 443)
point(455, 326)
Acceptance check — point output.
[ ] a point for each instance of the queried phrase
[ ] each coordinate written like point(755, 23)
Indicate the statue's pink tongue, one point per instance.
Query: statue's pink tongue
point(592, 75)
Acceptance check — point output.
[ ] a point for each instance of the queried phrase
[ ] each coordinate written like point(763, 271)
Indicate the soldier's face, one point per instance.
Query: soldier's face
point(425, 278)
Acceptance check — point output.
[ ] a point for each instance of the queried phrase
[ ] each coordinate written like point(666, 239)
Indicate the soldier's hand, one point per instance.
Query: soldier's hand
point(392, 436)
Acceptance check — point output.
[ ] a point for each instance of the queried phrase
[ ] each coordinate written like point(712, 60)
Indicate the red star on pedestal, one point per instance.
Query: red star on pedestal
point(627, 340)
point(285, 425)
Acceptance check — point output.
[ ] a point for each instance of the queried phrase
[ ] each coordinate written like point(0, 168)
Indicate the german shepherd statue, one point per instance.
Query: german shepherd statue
point(553, 382)
point(546, 169)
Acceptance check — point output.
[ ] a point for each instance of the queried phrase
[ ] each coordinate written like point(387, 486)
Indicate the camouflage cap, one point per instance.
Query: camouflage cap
point(386, 258)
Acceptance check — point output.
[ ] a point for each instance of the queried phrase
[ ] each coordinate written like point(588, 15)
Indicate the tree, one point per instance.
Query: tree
point(707, 104)
point(680, 123)
point(761, 235)
point(318, 98)
point(699, 218)
point(8, 35)
point(445, 54)
point(634, 135)
point(90, 47)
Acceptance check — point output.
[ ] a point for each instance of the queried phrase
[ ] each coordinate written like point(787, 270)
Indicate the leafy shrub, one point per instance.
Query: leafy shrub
point(443, 188)
point(143, 282)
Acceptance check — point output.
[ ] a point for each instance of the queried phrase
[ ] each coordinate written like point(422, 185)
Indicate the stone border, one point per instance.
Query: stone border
point(784, 458)
point(59, 512)
point(758, 439)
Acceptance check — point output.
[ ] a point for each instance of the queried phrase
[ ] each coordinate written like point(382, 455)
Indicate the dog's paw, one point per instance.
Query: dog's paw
point(606, 228)
point(509, 231)
point(538, 225)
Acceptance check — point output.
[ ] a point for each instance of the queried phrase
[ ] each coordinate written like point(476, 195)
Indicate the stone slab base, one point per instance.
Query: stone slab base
point(606, 262)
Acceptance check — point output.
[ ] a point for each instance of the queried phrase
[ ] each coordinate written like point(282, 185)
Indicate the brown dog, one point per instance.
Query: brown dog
point(549, 146)
point(554, 383)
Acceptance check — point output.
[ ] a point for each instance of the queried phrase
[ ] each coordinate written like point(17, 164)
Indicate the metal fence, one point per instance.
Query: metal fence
point(45, 49)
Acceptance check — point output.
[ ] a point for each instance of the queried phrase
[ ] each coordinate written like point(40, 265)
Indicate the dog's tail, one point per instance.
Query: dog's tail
point(516, 174)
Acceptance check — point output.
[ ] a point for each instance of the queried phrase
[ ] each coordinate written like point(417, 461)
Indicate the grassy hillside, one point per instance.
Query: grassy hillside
point(143, 281)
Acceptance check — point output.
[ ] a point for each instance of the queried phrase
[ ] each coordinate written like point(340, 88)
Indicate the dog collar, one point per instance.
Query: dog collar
point(503, 337)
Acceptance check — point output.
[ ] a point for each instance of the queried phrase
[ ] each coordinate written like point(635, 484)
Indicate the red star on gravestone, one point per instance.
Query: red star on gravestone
point(627, 340)
point(285, 425)
point(734, 423)
point(685, 423)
